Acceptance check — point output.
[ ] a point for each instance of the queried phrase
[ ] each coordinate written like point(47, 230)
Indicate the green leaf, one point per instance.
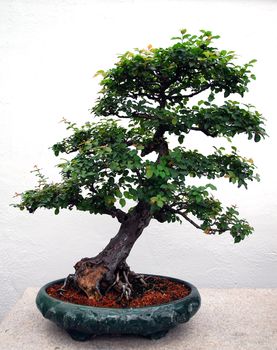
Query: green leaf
point(257, 138)
point(128, 195)
point(149, 173)
point(176, 38)
point(226, 93)
point(122, 202)
point(181, 139)
point(118, 193)
point(212, 187)
point(198, 199)
point(160, 203)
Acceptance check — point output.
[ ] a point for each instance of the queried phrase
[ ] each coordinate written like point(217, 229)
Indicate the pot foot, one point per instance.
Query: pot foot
point(157, 335)
point(78, 336)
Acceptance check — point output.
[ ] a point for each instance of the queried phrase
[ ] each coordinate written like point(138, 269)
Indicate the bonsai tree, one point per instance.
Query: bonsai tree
point(125, 157)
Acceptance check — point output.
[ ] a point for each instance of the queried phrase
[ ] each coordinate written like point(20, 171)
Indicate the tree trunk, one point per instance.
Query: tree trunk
point(109, 267)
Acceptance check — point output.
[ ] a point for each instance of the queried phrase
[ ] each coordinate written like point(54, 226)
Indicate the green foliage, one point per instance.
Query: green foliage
point(191, 64)
point(227, 120)
point(157, 91)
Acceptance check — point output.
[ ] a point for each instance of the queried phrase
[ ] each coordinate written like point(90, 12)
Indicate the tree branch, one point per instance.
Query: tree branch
point(198, 92)
point(158, 143)
point(171, 96)
point(189, 220)
point(116, 213)
point(206, 132)
point(184, 215)
point(135, 115)
point(139, 176)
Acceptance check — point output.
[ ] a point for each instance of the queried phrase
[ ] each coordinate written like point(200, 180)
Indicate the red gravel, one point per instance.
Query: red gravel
point(158, 291)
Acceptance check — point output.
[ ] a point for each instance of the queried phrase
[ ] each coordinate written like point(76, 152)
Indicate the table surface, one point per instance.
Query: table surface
point(238, 319)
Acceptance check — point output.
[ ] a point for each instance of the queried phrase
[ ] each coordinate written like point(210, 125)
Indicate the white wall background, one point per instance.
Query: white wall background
point(49, 52)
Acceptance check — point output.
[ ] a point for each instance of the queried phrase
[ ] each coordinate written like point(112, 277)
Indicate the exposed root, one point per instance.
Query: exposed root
point(126, 292)
point(123, 282)
point(69, 281)
point(96, 279)
point(126, 280)
point(142, 279)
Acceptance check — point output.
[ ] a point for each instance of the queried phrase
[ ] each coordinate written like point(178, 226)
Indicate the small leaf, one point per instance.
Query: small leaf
point(160, 203)
point(118, 194)
point(127, 195)
point(99, 72)
point(122, 202)
point(149, 173)
point(211, 97)
point(181, 139)
point(212, 187)
point(226, 93)
point(257, 138)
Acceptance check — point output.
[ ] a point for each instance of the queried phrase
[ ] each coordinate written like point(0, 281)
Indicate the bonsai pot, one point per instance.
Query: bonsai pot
point(153, 322)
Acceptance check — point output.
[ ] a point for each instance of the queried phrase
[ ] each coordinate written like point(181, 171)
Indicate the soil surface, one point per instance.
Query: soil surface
point(158, 291)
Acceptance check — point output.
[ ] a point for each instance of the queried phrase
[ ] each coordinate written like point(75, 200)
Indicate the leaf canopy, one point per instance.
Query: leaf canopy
point(148, 95)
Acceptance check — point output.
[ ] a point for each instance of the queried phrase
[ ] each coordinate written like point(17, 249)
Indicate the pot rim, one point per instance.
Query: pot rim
point(193, 293)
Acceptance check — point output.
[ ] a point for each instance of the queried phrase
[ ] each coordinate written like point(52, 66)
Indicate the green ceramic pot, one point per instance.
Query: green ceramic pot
point(153, 322)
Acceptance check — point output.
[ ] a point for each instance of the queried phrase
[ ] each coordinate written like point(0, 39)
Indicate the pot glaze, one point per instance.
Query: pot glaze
point(153, 322)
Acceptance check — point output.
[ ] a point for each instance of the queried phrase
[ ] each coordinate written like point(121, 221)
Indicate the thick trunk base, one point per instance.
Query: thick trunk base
point(89, 276)
point(96, 279)
point(109, 268)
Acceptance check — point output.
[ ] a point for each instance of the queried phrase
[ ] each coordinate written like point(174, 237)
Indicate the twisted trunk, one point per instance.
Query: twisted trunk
point(109, 268)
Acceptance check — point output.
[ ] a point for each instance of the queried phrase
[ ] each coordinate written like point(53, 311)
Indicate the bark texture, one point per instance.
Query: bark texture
point(109, 268)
